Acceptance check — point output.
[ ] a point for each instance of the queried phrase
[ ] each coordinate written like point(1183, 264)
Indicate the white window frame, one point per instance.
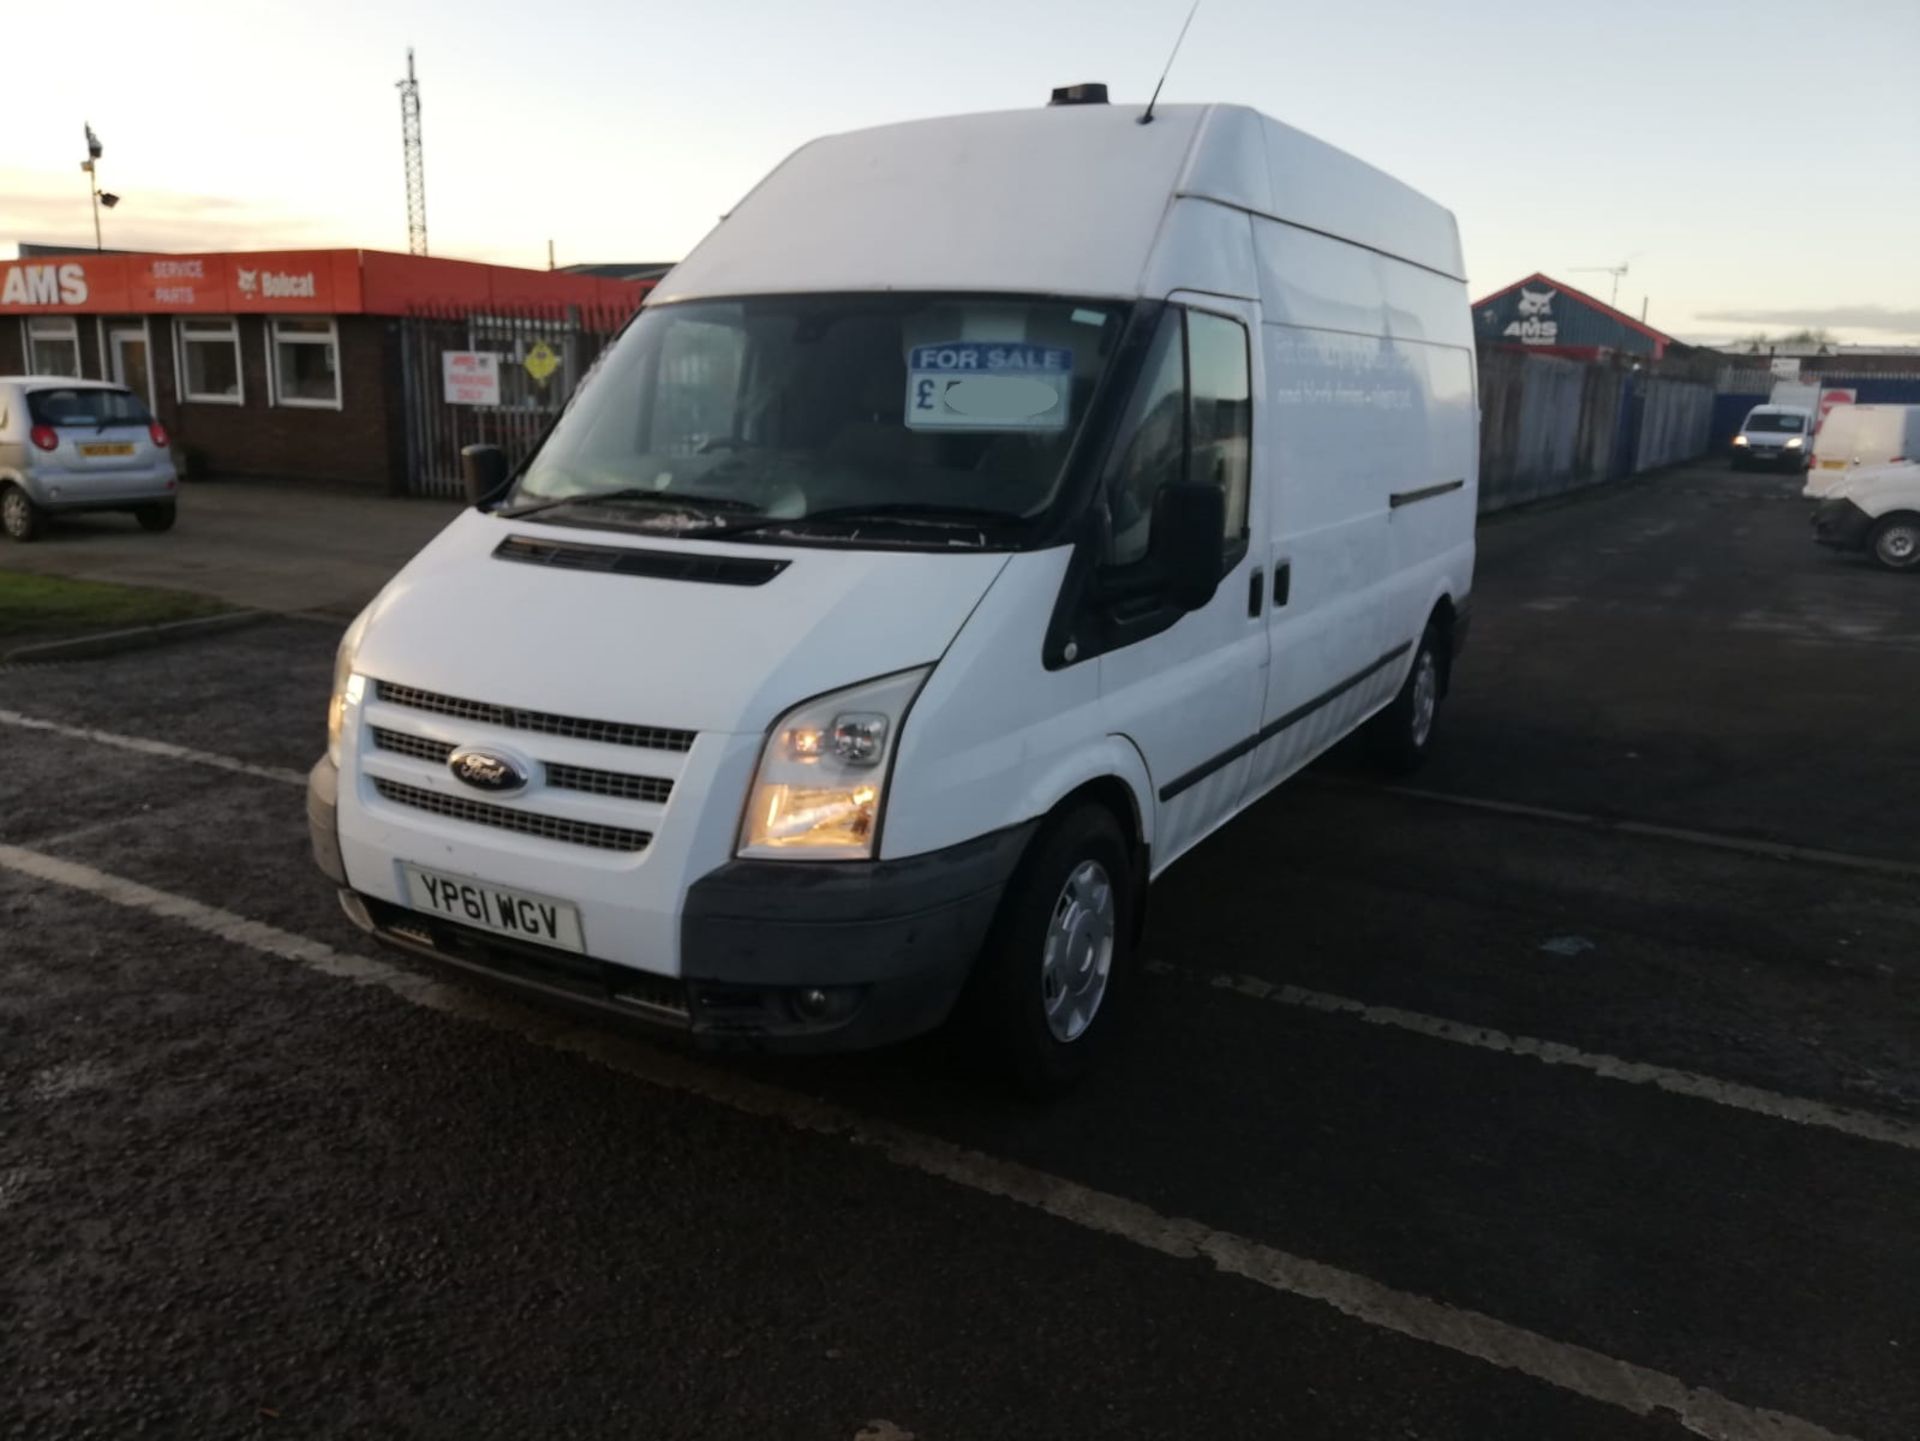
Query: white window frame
point(27, 325)
point(181, 325)
point(298, 402)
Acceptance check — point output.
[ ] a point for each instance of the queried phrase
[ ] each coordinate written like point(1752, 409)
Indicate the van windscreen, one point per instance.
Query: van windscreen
point(916, 406)
point(1770, 424)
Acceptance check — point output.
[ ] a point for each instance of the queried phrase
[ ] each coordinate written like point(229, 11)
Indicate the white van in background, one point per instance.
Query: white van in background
point(1774, 435)
point(1875, 509)
point(1853, 436)
point(987, 511)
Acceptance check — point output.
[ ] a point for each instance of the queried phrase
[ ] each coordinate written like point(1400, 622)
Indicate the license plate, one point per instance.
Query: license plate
point(1833, 465)
point(500, 909)
point(107, 447)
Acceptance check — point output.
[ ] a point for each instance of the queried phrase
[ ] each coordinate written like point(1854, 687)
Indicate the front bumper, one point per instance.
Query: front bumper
point(1776, 456)
point(1840, 523)
point(80, 490)
point(776, 955)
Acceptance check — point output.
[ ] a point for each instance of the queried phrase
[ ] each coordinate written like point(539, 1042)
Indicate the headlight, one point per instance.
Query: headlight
point(1795, 443)
point(822, 782)
point(347, 686)
point(1739, 440)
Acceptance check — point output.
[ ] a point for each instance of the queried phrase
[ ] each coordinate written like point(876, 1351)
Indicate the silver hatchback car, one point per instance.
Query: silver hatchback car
point(69, 445)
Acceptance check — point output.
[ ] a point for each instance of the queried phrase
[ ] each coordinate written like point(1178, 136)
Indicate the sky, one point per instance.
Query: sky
point(1751, 163)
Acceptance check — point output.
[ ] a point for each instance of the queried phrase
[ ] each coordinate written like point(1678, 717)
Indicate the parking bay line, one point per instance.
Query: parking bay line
point(1577, 1369)
point(164, 750)
point(1744, 845)
point(1728, 1093)
point(1864, 1125)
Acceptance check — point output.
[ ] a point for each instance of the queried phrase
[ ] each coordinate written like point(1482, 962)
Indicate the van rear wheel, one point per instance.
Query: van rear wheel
point(1041, 1003)
point(19, 516)
point(1402, 734)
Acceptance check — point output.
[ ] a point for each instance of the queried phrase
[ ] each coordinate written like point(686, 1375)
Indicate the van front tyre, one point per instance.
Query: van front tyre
point(1041, 1003)
point(1895, 542)
point(156, 517)
point(19, 516)
point(1402, 734)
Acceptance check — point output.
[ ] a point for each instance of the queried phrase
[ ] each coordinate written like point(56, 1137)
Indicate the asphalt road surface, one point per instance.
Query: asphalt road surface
point(1573, 1092)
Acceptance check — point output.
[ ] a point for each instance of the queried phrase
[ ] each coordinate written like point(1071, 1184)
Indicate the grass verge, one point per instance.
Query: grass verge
point(36, 608)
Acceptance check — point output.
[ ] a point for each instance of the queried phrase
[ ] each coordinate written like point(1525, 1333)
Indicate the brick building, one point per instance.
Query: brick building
point(285, 363)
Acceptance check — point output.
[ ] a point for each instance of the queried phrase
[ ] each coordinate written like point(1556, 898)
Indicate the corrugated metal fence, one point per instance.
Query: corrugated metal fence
point(1549, 424)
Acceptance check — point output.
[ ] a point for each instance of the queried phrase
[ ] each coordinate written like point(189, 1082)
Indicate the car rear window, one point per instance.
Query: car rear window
point(86, 406)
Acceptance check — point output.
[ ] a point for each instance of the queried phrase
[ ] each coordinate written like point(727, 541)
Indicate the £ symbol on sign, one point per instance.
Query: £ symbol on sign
point(923, 395)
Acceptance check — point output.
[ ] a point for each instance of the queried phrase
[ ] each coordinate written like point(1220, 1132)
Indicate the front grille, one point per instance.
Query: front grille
point(552, 828)
point(560, 777)
point(608, 783)
point(617, 733)
point(408, 745)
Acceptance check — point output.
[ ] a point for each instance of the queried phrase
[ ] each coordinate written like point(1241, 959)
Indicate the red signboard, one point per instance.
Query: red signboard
point(323, 282)
point(1831, 398)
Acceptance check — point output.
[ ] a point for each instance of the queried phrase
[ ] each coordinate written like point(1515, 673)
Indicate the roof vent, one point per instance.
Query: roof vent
point(1091, 93)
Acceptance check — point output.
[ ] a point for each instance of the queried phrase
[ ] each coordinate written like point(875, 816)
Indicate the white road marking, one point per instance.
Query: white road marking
point(1745, 845)
point(165, 750)
point(1866, 1125)
point(1772, 850)
point(1728, 1093)
point(1637, 1389)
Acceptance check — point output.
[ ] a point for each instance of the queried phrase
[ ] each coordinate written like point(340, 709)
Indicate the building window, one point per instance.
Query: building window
point(304, 356)
point(53, 346)
point(209, 359)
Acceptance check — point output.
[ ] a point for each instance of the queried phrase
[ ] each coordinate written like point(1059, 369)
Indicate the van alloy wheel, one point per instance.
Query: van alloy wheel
point(1426, 697)
point(1077, 955)
point(1896, 543)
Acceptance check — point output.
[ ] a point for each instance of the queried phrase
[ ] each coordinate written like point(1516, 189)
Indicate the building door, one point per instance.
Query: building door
point(128, 364)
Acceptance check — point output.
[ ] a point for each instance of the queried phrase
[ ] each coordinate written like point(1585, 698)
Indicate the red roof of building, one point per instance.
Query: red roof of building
point(315, 282)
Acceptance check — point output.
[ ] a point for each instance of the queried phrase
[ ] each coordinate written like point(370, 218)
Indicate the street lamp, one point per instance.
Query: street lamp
point(100, 197)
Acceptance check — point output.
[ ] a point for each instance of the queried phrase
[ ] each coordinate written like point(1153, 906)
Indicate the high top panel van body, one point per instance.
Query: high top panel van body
point(983, 515)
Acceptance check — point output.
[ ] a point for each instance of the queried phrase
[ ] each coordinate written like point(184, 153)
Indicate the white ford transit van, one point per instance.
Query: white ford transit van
point(983, 514)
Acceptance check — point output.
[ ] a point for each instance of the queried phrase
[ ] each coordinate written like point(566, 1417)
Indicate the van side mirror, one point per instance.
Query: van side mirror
point(483, 472)
point(1187, 524)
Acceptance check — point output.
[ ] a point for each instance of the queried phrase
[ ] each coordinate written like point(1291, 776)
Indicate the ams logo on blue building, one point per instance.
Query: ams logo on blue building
point(1540, 313)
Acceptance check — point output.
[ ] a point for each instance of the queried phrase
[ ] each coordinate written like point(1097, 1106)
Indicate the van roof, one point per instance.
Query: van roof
point(1066, 200)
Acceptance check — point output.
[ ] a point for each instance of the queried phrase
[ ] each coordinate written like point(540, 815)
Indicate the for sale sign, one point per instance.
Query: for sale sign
point(470, 377)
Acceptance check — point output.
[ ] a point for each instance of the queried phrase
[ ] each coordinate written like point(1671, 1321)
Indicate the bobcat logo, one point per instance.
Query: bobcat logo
point(1536, 325)
point(247, 280)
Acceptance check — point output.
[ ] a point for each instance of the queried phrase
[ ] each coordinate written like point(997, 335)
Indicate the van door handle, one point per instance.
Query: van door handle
point(1282, 583)
point(1256, 591)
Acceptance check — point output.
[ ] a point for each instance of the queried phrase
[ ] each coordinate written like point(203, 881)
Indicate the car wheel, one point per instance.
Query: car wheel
point(1040, 1005)
point(1895, 542)
point(156, 517)
point(19, 516)
point(1402, 734)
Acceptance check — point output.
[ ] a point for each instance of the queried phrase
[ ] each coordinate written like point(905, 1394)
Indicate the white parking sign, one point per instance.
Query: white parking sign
point(988, 385)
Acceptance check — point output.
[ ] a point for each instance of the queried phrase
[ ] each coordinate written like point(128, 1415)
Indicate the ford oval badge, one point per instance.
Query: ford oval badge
point(487, 770)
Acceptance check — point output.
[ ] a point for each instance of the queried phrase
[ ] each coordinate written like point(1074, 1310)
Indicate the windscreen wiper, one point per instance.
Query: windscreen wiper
point(906, 512)
point(635, 495)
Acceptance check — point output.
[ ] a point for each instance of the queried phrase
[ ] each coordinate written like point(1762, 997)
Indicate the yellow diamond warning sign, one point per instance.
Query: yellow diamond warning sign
point(541, 361)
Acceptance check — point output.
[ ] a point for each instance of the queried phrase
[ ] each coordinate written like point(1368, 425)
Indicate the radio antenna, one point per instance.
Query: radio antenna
point(1147, 119)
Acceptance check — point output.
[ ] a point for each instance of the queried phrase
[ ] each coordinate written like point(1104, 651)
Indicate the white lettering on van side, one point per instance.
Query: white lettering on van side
point(44, 285)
